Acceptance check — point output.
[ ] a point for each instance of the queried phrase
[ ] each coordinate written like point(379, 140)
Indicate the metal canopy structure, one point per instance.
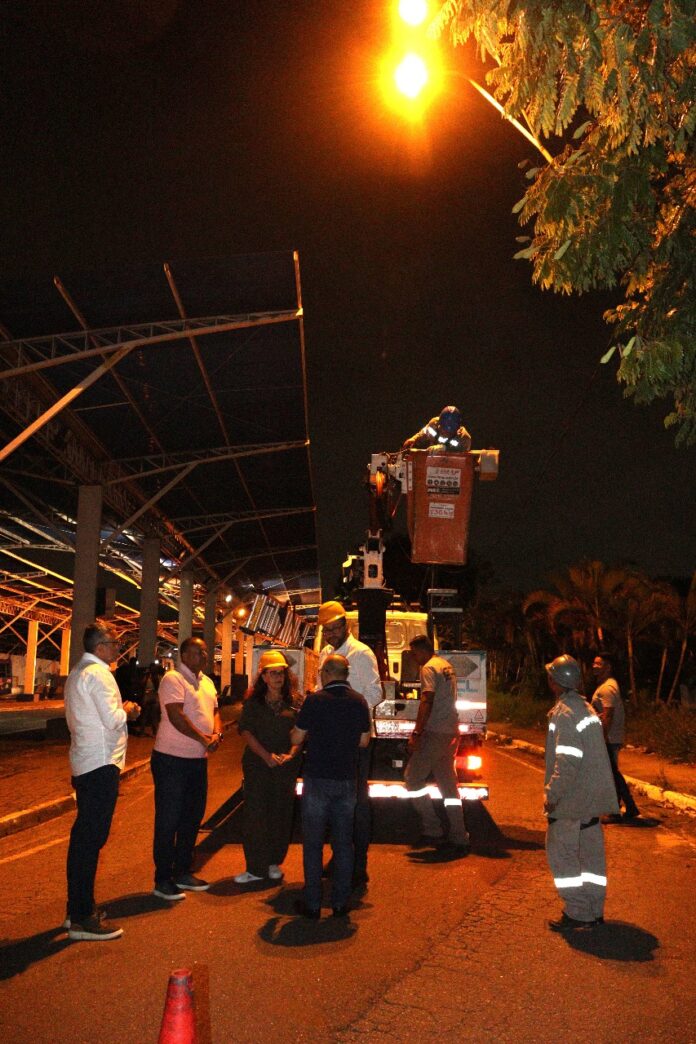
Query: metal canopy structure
point(180, 391)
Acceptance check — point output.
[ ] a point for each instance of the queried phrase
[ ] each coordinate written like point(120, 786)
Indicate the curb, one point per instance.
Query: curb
point(29, 817)
point(682, 802)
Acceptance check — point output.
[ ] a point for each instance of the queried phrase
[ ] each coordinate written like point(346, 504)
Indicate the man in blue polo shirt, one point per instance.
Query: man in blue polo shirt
point(336, 721)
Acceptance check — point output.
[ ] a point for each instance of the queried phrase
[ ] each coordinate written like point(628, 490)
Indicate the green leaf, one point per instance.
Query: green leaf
point(524, 254)
point(580, 131)
point(519, 205)
point(561, 251)
point(607, 355)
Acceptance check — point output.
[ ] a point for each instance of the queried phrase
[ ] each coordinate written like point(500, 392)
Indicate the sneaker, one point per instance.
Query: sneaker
point(570, 924)
point(168, 890)
point(94, 929)
point(274, 872)
point(99, 914)
point(246, 878)
point(192, 884)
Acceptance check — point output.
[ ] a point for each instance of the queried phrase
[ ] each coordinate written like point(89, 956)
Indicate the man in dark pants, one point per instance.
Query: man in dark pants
point(189, 730)
point(96, 718)
point(607, 703)
point(337, 721)
point(364, 678)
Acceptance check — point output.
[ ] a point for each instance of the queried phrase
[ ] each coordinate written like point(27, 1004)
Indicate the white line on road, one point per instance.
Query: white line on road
point(32, 851)
point(59, 840)
point(518, 760)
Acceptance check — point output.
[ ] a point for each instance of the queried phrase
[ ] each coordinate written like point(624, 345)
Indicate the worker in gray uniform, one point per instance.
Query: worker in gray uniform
point(578, 789)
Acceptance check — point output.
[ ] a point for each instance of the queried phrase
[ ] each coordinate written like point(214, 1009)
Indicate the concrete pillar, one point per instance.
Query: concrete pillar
point(65, 650)
point(185, 606)
point(209, 624)
point(89, 511)
point(30, 662)
point(248, 656)
point(226, 667)
point(239, 655)
point(149, 600)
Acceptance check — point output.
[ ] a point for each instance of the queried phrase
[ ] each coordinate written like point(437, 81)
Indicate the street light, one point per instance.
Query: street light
point(411, 75)
point(413, 12)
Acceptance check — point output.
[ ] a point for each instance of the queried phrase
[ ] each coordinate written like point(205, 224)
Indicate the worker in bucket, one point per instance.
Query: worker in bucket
point(446, 432)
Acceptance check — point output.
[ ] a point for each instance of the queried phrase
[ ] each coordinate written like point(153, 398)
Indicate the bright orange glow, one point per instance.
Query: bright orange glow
point(474, 762)
point(413, 12)
point(411, 75)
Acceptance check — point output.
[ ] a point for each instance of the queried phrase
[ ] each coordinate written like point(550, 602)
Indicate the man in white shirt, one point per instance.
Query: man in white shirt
point(607, 702)
point(363, 677)
point(96, 719)
point(190, 728)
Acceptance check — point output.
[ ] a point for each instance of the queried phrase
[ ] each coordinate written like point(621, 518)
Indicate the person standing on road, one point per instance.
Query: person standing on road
point(608, 704)
point(189, 730)
point(270, 766)
point(578, 789)
point(433, 747)
point(337, 721)
point(364, 678)
point(97, 720)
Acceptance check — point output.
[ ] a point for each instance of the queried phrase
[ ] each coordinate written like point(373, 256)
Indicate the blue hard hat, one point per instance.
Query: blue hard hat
point(450, 420)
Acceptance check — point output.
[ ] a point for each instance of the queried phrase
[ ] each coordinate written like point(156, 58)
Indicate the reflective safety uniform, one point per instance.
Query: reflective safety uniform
point(579, 788)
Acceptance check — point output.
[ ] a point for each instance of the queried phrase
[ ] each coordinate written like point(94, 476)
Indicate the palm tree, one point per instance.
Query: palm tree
point(685, 621)
point(638, 604)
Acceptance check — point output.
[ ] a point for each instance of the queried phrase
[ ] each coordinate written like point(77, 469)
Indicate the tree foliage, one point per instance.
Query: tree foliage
point(610, 84)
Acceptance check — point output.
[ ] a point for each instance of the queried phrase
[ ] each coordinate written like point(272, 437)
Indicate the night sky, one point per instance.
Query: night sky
point(136, 131)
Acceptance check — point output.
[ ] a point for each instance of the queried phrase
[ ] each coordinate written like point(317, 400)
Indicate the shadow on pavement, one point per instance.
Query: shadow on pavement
point(227, 886)
point(640, 823)
point(16, 957)
point(615, 941)
point(286, 928)
point(136, 904)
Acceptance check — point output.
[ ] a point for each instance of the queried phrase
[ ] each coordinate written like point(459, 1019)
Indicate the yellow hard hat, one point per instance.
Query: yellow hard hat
point(330, 611)
point(272, 658)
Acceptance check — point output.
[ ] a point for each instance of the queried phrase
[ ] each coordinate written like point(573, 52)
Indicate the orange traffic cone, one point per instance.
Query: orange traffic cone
point(178, 1021)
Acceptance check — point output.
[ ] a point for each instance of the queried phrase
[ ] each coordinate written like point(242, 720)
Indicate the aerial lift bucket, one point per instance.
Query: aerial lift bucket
point(439, 506)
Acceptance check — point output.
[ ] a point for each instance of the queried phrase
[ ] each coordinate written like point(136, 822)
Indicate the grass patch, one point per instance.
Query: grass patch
point(518, 708)
point(668, 731)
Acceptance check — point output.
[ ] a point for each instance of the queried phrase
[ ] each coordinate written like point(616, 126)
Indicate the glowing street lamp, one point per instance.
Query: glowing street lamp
point(413, 12)
point(411, 75)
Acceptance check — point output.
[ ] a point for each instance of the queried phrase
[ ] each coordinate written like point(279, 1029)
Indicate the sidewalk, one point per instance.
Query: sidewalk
point(650, 774)
point(35, 773)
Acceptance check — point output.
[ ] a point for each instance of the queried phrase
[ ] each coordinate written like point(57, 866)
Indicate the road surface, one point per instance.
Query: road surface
point(456, 948)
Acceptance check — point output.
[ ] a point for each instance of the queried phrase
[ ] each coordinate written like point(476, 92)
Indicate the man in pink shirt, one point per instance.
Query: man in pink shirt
point(189, 730)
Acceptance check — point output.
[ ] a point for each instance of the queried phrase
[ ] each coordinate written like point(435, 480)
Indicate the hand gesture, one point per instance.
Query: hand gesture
point(132, 710)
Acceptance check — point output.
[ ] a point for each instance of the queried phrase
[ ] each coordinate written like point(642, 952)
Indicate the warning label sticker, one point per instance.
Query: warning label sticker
point(437, 509)
point(443, 480)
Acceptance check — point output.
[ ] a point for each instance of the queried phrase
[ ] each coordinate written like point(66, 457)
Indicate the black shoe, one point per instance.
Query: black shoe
point(340, 911)
point(429, 841)
point(633, 814)
point(94, 929)
point(570, 924)
point(303, 910)
point(189, 883)
point(458, 847)
point(168, 890)
point(615, 817)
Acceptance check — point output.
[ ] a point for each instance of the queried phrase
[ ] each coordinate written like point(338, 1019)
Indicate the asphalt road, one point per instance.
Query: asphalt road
point(456, 949)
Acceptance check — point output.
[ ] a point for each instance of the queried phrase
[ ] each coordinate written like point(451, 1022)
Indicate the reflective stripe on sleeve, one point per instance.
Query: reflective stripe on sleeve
point(582, 725)
point(568, 882)
point(453, 801)
point(552, 727)
point(574, 752)
point(594, 879)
